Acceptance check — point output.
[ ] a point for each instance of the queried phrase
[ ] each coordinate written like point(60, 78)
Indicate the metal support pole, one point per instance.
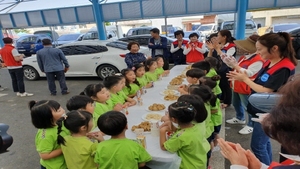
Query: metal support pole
point(166, 26)
point(241, 19)
point(99, 21)
point(1, 37)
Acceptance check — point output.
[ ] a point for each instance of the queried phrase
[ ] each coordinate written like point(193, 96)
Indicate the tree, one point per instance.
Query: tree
point(107, 23)
point(21, 30)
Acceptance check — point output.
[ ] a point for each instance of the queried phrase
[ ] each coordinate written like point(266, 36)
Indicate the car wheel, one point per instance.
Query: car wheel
point(298, 54)
point(30, 73)
point(106, 70)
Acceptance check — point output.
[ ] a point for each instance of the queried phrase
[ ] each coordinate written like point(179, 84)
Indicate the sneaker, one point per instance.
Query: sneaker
point(235, 121)
point(18, 94)
point(25, 94)
point(67, 92)
point(2, 88)
point(246, 130)
point(216, 148)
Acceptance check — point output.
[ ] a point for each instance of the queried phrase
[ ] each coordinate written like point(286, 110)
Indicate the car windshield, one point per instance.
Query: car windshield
point(230, 25)
point(278, 28)
point(205, 27)
point(195, 27)
point(70, 37)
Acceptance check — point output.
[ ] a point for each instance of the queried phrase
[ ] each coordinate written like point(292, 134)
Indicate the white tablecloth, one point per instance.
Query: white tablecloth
point(135, 117)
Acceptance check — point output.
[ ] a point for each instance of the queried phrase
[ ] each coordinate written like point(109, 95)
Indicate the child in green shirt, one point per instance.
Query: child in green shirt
point(115, 85)
point(160, 70)
point(139, 70)
point(101, 96)
point(192, 76)
point(215, 66)
point(206, 94)
point(187, 141)
point(150, 67)
point(216, 111)
point(77, 148)
point(118, 152)
point(44, 115)
point(132, 86)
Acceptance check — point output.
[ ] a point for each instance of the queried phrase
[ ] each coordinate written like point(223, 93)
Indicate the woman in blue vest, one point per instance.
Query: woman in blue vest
point(177, 48)
point(277, 50)
point(281, 124)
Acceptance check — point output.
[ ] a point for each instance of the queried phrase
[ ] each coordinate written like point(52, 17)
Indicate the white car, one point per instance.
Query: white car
point(87, 58)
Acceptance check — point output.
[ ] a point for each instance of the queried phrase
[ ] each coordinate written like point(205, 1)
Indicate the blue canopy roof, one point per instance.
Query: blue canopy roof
point(36, 13)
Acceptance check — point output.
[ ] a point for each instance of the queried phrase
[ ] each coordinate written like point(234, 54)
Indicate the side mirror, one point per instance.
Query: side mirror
point(219, 29)
point(258, 25)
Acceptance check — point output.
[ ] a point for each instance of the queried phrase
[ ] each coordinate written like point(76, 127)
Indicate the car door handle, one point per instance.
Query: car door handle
point(96, 57)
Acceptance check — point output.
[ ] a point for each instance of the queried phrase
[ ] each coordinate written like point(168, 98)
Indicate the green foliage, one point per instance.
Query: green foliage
point(21, 30)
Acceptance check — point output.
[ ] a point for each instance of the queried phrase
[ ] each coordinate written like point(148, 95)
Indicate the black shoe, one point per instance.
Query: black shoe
point(67, 92)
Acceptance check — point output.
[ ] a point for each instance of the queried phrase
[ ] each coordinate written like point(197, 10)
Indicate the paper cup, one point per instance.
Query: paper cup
point(154, 128)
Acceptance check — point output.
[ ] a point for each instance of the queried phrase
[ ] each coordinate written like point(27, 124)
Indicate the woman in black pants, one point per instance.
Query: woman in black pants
point(220, 44)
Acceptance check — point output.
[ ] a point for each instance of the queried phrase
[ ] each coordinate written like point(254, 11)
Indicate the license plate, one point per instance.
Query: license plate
point(21, 50)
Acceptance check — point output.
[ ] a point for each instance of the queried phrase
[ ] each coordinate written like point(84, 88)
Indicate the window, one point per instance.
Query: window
point(134, 32)
point(67, 50)
point(30, 39)
point(118, 44)
point(143, 31)
point(88, 49)
point(90, 36)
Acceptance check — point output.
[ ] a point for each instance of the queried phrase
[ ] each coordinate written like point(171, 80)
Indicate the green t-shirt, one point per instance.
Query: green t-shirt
point(212, 72)
point(159, 71)
point(132, 91)
point(46, 142)
point(100, 109)
point(190, 146)
point(208, 122)
point(217, 117)
point(151, 77)
point(142, 80)
point(120, 97)
point(79, 152)
point(120, 154)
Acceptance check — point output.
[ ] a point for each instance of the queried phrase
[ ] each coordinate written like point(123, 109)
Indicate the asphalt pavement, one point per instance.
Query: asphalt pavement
point(14, 112)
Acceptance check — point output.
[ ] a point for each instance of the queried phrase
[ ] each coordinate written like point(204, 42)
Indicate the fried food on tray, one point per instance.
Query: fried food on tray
point(173, 87)
point(168, 91)
point(188, 67)
point(153, 116)
point(144, 125)
point(156, 107)
point(171, 97)
point(176, 81)
point(182, 75)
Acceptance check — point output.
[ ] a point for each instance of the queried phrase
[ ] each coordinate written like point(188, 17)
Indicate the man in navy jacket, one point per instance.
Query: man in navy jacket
point(158, 46)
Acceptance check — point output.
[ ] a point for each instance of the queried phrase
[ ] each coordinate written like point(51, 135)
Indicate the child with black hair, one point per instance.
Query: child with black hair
point(118, 152)
point(160, 70)
point(203, 65)
point(77, 149)
point(206, 94)
point(215, 66)
point(81, 102)
point(139, 70)
point(192, 77)
point(44, 115)
point(216, 111)
point(115, 85)
point(101, 96)
point(150, 67)
point(186, 141)
point(132, 86)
